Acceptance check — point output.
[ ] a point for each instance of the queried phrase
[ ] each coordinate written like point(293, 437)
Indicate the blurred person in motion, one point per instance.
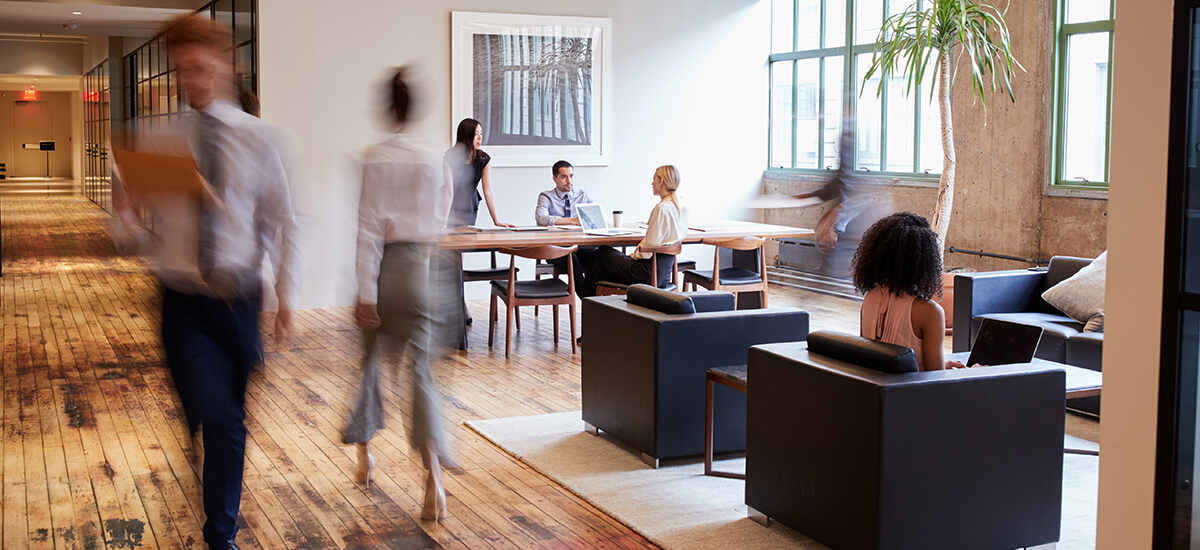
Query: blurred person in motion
point(854, 208)
point(402, 211)
point(212, 298)
point(468, 168)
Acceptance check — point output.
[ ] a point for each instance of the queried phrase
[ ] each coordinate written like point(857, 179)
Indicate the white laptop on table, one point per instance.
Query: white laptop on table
point(591, 218)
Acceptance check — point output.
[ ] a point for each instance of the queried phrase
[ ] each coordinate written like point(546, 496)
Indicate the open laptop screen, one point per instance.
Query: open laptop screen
point(591, 216)
point(1004, 343)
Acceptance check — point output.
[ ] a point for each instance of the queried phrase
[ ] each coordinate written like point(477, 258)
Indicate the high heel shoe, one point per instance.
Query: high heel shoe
point(366, 466)
point(435, 500)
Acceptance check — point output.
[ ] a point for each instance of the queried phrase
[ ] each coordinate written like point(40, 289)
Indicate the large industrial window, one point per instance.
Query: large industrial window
point(820, 50)
point(1083, 93)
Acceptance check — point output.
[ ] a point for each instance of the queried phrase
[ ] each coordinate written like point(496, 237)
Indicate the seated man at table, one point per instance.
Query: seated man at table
point(557, 207)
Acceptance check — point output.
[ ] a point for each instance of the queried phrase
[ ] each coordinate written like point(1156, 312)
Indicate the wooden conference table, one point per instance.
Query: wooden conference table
point(492, 239)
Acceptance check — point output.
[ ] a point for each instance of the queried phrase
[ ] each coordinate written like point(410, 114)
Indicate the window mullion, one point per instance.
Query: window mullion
point(821, 113)
point(848, 87)
point(795, 105)
point(917, 119)
point(770, 114)
point(1108, 113)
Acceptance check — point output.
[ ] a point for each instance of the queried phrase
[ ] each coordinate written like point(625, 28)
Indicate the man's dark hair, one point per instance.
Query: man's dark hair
point(559, 164)
point(187, 30)
point(399, 98)
point(900, 253)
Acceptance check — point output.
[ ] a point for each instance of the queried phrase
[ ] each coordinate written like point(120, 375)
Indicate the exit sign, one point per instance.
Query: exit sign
point(29, 94)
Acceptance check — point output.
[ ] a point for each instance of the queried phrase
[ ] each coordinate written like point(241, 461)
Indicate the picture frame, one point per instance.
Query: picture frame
point(539, 84)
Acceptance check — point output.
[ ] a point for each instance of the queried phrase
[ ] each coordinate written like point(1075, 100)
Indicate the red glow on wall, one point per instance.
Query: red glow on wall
point(29, 94)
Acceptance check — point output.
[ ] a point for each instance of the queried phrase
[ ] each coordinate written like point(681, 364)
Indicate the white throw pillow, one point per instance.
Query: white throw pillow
point(1081, 296)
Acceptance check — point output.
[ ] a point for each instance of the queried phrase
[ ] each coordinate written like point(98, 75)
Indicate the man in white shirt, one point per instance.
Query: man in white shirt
point(557, 206)
point(209, 258)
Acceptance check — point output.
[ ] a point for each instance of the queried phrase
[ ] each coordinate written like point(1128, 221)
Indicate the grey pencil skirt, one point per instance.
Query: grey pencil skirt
point(409, 298)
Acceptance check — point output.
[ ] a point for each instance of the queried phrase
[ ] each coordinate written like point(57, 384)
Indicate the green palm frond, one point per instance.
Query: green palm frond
point(970, 30)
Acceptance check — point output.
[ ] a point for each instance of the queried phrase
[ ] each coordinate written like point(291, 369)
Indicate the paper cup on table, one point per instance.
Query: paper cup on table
point(617, 218)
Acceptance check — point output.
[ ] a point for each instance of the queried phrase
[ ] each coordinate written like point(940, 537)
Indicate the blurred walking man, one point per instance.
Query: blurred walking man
point(212, 300)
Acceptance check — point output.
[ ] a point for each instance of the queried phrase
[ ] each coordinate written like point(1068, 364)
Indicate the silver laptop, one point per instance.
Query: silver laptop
point(591, 218)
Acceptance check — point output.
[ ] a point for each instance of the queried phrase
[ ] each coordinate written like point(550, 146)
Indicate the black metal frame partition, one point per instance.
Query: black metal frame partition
point(1174, 490)
point(97, 174)
point(151, 89)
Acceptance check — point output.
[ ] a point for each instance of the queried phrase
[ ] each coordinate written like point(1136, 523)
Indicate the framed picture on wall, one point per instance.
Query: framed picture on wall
point(539, 84)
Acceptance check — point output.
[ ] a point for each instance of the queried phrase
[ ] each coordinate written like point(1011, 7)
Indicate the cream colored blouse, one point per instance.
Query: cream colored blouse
point(666, 226)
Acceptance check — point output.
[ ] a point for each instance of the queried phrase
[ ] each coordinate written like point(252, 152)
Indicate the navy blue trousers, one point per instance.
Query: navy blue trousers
point(212, 345)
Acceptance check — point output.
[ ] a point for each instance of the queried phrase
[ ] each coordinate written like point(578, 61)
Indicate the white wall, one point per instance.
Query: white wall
point(41, 58)
point(689, 88)
point(1137, 204)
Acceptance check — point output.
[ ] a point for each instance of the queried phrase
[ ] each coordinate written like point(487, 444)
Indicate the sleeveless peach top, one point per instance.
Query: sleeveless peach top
point(887, 317)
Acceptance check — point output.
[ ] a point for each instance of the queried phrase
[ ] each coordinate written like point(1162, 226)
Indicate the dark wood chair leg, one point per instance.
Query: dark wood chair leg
point(508, 330)
point(492, 321)
point(517, 314)
point(555, 325)
point(571, 306)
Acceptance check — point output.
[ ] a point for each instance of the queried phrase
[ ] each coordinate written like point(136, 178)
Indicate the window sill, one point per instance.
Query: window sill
point(872, 178)
point(1076, 192)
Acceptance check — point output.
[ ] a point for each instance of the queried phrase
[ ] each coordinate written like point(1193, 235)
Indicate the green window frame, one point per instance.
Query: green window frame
point(1062, 176)
point(852, 56)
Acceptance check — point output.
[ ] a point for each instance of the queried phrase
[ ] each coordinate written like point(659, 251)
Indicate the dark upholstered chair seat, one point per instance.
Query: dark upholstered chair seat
point(486, 274)
point(685, 265)
point(665, 286)
point(545, 288)
point(729, 276)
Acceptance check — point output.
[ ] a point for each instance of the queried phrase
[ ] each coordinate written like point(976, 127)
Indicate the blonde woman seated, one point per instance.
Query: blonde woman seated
point(664, 227)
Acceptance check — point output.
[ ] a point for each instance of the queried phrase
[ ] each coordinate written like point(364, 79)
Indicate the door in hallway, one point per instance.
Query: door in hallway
point(31, 124)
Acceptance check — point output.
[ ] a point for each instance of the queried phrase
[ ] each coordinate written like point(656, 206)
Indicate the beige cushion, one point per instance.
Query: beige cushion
point(1081, 296)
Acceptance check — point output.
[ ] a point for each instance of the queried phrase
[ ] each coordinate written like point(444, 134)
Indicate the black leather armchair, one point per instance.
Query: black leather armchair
point(858, 458)
point(1016, 296)
point(645, 359)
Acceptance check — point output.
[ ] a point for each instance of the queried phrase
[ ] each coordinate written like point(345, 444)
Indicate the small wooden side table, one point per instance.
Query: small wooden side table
point(731, 377)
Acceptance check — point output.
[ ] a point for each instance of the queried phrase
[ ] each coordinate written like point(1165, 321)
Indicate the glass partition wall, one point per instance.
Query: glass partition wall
point(152, 97)
point(152, 90)
point(97, 174)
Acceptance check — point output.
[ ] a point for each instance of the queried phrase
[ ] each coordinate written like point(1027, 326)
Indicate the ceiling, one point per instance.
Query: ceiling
point(42, 83)
point(139, 18)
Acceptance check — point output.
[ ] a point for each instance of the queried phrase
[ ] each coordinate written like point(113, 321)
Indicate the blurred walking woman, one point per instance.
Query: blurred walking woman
point(470, 170)
point(400, 214)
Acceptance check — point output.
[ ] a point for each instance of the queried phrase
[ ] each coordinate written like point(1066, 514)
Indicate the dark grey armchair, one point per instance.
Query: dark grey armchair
point(644, 362)
point(847, 444)
point(1016, 296)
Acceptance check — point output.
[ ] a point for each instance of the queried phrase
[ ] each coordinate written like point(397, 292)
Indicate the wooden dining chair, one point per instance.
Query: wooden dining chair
point(545, 292)
point(545, 269)
point(494, 273)
point(609, 288)
point(733, 279)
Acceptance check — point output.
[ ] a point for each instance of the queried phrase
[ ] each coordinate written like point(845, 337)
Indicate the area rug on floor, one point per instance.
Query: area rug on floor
point(677, 506)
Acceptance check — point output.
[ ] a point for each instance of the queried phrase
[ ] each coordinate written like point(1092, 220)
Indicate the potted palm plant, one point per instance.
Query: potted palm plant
point(947, 33)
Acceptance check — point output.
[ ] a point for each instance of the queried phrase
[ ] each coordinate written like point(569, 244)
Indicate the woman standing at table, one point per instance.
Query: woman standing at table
point(470, 170)
point(664, 227)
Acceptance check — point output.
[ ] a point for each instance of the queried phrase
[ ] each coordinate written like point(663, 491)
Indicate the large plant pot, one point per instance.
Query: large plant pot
point(947, 301)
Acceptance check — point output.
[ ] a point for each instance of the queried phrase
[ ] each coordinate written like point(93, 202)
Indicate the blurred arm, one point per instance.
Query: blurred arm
point(281, 216)
point(370, 234)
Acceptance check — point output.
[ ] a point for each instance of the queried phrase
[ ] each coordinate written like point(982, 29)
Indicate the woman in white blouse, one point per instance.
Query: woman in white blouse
point(664, 227)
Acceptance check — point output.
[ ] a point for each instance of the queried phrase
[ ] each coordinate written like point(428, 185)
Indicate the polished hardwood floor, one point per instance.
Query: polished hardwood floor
point(95, 449)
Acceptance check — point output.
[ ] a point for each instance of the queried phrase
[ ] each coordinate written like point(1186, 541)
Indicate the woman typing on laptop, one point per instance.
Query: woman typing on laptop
point(664, 227)
point(899, 267)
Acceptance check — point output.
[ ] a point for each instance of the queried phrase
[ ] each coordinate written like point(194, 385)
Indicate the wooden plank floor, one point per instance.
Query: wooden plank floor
point(94, 444)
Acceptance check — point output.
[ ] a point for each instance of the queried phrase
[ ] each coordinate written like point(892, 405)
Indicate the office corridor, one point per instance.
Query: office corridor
point(95, 447)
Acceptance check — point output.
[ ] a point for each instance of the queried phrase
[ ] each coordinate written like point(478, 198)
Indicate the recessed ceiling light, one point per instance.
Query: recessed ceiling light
point(76, 13)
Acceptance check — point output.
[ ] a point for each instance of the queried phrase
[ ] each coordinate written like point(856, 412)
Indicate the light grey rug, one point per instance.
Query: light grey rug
point(677, 506)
